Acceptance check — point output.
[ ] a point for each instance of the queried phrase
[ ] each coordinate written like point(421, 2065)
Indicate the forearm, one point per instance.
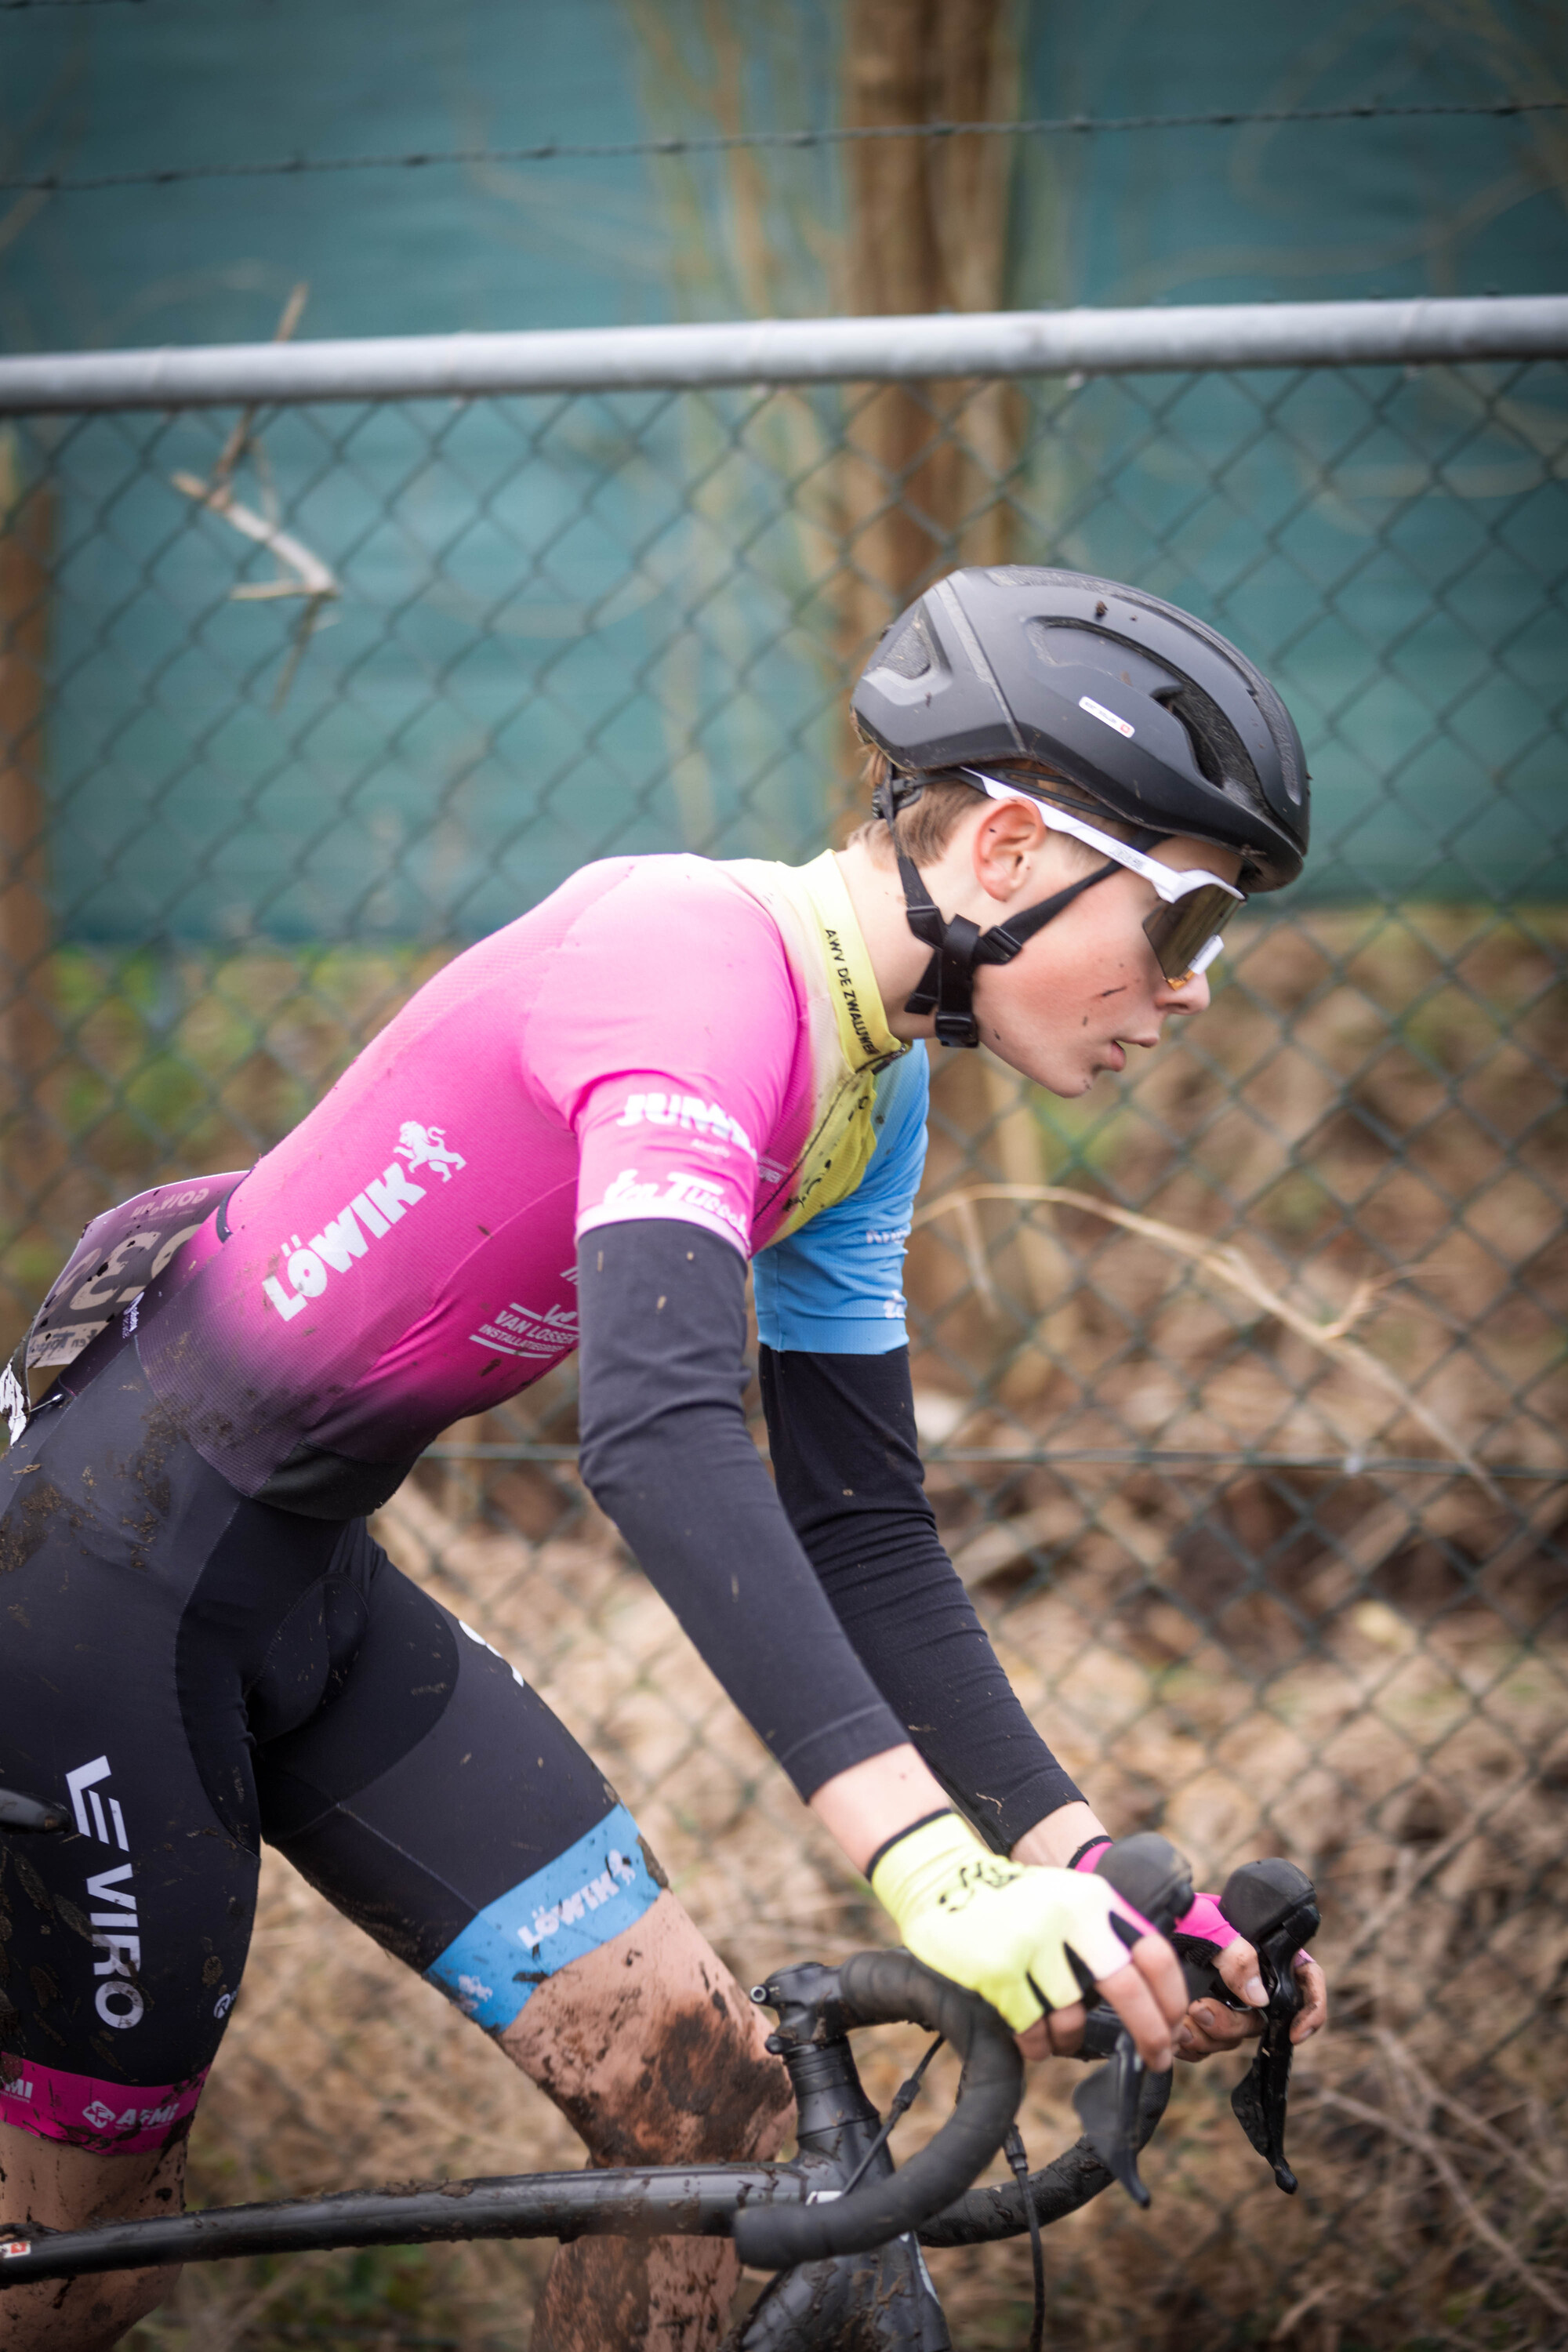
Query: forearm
point(1060, 1836)
point(849, 1475)
point(871, 1802)
point(665, 1450)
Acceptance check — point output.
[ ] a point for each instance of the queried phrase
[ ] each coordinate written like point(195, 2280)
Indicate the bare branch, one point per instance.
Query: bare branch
point(1227, 1262)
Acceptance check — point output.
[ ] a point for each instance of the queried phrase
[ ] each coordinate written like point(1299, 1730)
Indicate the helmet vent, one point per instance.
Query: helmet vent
point(909, 655)
point(1221, 755)
point(1276, 720)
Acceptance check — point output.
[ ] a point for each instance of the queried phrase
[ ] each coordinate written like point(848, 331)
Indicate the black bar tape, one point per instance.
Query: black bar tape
point(882, 1988)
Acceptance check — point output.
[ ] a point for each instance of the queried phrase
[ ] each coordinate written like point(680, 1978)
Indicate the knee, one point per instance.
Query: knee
point(700, 2088)
point(653, 2052)
point(708, 2090)
point(49, 2183)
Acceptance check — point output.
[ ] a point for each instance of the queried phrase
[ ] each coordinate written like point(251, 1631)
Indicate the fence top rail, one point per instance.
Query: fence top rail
point(795, 351)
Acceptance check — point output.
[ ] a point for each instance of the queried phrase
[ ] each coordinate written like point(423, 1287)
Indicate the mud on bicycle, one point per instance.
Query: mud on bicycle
point(840, 2229)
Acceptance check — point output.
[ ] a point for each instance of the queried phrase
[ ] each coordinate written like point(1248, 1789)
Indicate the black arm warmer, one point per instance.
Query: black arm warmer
point(848, 1472)
point(664, 1450)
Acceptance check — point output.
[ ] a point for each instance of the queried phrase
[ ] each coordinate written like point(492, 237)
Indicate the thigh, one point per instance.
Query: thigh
point(122, 1940)
point(438, 1802)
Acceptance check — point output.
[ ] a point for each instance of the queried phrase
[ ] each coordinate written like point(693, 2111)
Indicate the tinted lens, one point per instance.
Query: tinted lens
point(1177, 934)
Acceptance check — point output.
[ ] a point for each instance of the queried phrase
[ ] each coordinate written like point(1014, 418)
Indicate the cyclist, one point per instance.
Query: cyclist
point(576, 1135)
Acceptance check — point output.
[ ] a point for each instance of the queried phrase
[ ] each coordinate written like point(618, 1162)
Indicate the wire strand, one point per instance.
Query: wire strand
point(557, 151)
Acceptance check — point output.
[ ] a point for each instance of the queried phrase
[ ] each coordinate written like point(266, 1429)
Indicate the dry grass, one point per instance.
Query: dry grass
point(1397, 1769)
point(1225, 1620)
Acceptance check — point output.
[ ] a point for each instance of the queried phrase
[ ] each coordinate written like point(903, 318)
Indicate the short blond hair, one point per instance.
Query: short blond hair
point(924, 830)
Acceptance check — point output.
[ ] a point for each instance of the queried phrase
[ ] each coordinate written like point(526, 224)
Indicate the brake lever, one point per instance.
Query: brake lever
point(1148, 1872)
point(1274, 1907)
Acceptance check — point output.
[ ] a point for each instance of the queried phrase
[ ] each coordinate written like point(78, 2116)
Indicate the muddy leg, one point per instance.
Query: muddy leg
point(44, 2181)
point(650, 2048)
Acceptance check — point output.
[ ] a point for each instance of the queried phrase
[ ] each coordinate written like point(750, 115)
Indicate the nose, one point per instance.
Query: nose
point(1190, 996)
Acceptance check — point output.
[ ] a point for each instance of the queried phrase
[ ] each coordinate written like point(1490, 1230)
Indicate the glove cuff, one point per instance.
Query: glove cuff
point(906, 1872)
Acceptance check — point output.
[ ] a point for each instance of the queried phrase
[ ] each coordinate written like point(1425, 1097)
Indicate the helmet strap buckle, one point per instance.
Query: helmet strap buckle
point(947, 985)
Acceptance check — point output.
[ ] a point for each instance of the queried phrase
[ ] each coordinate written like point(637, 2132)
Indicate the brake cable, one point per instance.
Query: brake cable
point(903, 2099)
point(1017, 2157)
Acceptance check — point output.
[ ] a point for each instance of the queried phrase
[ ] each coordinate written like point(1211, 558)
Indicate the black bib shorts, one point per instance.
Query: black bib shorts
point(186, 1672)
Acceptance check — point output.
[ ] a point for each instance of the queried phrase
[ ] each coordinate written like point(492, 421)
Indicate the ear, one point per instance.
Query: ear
point(1007, 844)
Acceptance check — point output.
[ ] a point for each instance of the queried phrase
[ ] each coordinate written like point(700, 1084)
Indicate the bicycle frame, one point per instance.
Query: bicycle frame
point(858, 2276)
point(840, 2227)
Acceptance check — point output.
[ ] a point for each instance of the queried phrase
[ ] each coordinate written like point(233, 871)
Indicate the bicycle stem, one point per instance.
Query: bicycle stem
point(883, 2296)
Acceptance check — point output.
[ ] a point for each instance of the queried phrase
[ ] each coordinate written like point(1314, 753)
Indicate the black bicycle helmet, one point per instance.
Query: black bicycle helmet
point(1152, 714)
point(1125, 696)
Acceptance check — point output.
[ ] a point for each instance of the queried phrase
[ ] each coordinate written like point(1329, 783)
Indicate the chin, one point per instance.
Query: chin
point(1067, 1089)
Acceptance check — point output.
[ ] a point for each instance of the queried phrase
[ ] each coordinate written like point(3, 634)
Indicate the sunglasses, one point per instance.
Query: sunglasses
point(1185, 930)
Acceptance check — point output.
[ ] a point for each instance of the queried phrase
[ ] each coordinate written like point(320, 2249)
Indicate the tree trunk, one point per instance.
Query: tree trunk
point(924, 490)
point(927, 231)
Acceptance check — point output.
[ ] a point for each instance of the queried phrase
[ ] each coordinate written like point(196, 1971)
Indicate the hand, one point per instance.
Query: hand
point(1141, 1994)
point(1210, 2028)
point(1013, 1932)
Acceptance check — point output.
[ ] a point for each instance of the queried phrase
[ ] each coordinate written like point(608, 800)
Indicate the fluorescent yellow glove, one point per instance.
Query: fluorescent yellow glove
point(1000, 1928)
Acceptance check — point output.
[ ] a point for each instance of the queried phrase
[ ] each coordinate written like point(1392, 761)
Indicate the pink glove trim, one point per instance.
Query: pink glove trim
point(1206, 1920)
point(1088, 1858)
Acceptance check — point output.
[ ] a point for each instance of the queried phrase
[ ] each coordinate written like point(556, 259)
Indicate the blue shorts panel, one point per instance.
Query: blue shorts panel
point(589, 1893)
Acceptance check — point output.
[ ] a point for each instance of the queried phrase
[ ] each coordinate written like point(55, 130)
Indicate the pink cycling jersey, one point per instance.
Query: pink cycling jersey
point(663, 1037)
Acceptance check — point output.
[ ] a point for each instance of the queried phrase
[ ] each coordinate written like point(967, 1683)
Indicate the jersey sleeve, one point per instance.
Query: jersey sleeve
point(836, 1286)
point(666, 1038)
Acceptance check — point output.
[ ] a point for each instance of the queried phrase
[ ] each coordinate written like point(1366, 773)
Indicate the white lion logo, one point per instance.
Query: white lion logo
point(426, 1147)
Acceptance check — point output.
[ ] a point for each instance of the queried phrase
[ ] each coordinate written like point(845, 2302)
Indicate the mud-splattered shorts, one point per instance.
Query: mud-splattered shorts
point(188, 1672)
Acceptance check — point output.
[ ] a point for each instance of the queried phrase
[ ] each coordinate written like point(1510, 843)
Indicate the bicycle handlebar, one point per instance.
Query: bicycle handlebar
point(779, 2215)
point(1070, 2180)
point(891, 1989)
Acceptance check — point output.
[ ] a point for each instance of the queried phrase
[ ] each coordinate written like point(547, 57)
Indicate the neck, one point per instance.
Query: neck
point(898, 958)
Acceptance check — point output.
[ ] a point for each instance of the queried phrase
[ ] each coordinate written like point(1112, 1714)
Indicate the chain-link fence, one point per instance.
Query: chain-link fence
point(1242, 1381)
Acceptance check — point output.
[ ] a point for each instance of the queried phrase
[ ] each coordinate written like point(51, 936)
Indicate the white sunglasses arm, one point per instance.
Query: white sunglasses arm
point(1169, 883)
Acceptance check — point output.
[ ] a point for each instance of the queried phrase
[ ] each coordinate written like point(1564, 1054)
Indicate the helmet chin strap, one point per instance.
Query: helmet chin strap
point(958, 946)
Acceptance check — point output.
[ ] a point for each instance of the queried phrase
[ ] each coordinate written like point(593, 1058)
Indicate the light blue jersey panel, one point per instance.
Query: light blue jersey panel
point(837, 1287)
